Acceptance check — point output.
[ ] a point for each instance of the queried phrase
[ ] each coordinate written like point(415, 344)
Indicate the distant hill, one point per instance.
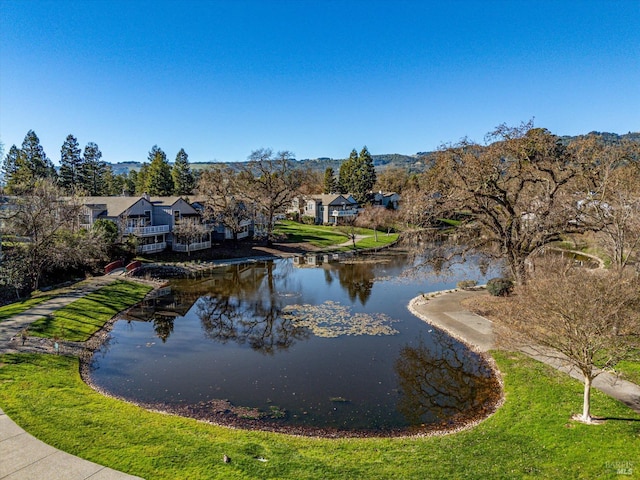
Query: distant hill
point(608, 138)
point(416, 163)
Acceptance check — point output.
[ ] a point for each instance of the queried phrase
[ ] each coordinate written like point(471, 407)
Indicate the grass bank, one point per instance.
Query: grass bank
point(323, 236)
point(531, 436)
point(12, 309)
point(82, 318)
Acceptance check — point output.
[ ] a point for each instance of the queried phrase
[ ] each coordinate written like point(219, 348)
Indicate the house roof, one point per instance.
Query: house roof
point(114, 206)
point(330, 199)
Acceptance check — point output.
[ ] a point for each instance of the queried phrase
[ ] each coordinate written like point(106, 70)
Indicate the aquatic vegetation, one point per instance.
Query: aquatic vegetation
point(330, 320)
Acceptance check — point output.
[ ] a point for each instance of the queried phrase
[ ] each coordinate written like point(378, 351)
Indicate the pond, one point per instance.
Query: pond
point(312, 345)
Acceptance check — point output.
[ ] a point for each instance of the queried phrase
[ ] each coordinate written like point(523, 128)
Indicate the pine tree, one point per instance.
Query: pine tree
point(365, 176)
point(24, 166)
point(130, 183)
point(345, 180)
point(159, 181)
point(35, 158)
point(71, 163)
point(140, 178)
point(10, 166)
point(183, 181)
point(330, 184)
point(357, 175)
point(92, 173)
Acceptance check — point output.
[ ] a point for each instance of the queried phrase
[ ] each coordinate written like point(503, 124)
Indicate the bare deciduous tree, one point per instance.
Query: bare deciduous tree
point(271, 183)
point(614, 203)
point(223, 192)
point(588, 319)
point(46, 225)
point(374, 217)
point(512, 197)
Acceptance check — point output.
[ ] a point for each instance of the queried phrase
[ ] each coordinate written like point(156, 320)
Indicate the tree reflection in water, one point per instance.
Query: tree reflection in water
point(163, 326)
point(253, 317)
point(445, 382)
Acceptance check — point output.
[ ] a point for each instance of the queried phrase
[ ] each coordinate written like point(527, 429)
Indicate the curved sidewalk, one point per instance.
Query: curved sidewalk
point(444, 311)
point(22, 456)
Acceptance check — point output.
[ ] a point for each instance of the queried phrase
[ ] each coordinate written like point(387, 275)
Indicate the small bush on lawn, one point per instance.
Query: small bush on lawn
point(500, 287)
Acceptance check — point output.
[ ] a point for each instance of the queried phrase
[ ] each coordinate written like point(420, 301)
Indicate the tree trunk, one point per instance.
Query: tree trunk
point(518, 268)
point(586, 404)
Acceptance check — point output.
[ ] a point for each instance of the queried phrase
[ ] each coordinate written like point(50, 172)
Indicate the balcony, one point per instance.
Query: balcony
point(344, 213)
point(192, 247)
point(144, 231)
point(152, 247)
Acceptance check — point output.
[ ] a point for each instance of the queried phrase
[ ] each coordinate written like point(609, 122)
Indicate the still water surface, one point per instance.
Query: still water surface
point(308, 344)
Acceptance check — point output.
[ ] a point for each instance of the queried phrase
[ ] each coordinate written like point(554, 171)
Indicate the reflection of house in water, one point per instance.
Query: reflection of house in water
point(161, 303)
point(246, 277)
point(319, 260)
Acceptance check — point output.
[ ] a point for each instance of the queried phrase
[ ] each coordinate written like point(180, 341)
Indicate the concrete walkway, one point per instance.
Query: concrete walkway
point(445, 312)
point(22, 456)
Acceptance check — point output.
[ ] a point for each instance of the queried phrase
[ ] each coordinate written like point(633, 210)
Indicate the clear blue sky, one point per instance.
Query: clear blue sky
point(318, 78)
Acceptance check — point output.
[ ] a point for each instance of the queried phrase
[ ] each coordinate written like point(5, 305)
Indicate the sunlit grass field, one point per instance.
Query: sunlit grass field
point(530, 436)
point(85, 316)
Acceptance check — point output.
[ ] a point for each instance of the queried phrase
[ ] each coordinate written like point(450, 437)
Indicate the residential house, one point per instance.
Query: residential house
point(155, 222)
point(389, 200)
point(188, 233)
point(219, 231)
point(133, 215)
point(332, 209)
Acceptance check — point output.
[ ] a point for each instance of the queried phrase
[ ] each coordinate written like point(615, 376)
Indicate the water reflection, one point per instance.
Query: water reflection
point(357, 279)
point(443, 381)
point(331, 343)
point(163, 326)
point(258, 323)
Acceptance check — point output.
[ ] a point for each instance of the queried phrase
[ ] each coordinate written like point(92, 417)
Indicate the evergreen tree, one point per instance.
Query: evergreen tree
point(114, 184)
point(140, 179)
point(35, 159)
point(92, 173)
point(357, 175)
point(183, 181)
point(70, 165)
point(330, 184)
point(23, 167)
point(365, 176)
point(345, 180)
point(10, 166)
point(130, 182)
point(159, 181)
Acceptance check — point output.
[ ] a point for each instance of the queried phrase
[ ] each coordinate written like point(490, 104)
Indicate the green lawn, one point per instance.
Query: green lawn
point(318, 235)
point(630, 370)
point(323, 236)
point(531, 436)
point(12, 309)
point(82, 318)
point(383, 239)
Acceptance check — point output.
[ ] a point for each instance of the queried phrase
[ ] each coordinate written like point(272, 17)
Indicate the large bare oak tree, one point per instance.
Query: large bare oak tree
point(512, 197)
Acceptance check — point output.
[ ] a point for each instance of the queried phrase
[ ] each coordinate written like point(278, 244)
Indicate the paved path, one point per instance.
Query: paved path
point(22, 456)
point(10, 328)
point(444, 311)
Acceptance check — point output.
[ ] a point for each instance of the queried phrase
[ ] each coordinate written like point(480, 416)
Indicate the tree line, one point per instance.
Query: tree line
point(83, 172)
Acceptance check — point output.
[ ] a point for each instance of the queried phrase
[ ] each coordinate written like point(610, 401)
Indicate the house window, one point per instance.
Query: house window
point(176, 216)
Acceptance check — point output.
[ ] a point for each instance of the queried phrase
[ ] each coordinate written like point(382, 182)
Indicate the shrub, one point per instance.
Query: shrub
point(466, 284)
point(500, 287)
point(308, 220)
